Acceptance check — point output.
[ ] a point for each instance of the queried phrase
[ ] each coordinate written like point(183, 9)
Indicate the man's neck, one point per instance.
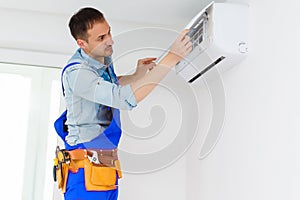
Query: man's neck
point(99, 59)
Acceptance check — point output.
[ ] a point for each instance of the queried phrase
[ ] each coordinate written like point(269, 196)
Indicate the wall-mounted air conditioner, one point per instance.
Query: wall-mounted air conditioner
point(219, 35)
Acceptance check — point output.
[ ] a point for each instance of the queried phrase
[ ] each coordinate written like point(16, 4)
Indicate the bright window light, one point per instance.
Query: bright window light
point(14, 106)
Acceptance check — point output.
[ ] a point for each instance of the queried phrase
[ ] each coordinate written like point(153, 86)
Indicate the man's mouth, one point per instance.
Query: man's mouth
point(109, 48)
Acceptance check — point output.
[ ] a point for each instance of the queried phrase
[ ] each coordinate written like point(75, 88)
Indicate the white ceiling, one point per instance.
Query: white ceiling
point(166, 12)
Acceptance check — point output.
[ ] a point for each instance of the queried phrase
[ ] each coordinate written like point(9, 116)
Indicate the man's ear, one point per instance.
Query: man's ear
point(81, 43)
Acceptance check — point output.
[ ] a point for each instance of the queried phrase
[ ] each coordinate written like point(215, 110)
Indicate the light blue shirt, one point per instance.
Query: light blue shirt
point(89, 92)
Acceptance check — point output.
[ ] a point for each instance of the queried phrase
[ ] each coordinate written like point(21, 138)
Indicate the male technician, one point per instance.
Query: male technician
point(94, 95)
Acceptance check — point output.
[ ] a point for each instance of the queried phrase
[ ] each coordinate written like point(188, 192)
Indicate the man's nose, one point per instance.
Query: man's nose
point(110, 41)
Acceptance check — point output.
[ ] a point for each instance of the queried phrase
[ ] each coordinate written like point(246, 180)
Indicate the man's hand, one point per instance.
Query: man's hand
point(181, 47)
point(144, 85)
point(143, 66)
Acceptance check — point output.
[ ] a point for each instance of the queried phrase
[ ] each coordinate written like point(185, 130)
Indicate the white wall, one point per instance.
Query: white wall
point(258, 154)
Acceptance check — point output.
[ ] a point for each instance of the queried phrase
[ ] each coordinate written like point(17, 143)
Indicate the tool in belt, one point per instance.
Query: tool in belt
point(71, 160)
point(61, 157)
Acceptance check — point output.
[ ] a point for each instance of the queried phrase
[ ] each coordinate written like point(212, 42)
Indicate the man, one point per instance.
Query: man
point(94, 95)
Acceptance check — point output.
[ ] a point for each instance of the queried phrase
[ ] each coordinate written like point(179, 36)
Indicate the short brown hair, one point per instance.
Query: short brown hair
point(83, 20)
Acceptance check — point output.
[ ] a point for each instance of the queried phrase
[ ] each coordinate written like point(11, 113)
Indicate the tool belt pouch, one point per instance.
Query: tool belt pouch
point(99, 178)
point(60, 168)
point(62, 176)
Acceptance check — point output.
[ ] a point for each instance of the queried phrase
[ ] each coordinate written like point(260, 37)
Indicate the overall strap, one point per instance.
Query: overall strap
point(62, 73)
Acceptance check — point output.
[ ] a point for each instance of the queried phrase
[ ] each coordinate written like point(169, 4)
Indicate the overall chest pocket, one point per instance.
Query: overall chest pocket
point(105, 115)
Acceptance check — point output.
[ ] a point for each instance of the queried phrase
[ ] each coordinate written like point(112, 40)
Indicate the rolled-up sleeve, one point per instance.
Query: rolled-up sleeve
point(87, 84)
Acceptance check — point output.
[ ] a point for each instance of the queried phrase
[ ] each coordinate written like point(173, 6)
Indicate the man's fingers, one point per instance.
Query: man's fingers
point(189, 48)
point(146, 61)
point(149, 59)
point(151, 66)
point(189, 44)
point(186, 40)
point(183, 34)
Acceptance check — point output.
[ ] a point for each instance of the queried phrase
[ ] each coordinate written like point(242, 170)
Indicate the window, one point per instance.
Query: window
point(29, 103)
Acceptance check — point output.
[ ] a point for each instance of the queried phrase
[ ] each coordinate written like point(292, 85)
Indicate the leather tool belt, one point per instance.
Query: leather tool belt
point(101, 167)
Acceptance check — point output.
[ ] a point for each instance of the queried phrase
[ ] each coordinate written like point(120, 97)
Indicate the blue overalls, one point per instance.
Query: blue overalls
point(109, 139)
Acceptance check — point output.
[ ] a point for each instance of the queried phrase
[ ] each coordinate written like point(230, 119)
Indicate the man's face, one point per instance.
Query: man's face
point(99, 42)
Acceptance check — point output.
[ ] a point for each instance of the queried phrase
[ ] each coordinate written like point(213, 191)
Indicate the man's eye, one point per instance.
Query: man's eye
point(100, 38)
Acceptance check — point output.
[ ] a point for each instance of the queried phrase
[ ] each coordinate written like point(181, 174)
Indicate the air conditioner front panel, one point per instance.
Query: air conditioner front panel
point(223, 41)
